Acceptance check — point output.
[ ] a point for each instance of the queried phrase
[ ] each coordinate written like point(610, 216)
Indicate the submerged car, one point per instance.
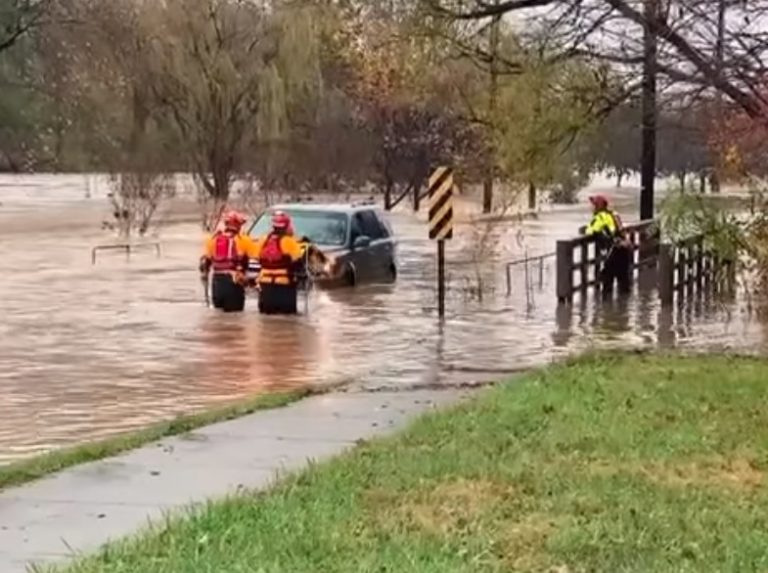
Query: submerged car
point(357, 237)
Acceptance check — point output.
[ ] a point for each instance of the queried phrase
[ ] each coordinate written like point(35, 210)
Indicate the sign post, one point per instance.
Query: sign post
point(441, 223)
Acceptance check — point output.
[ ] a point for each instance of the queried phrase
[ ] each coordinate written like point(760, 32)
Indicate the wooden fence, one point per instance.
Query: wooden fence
point(689, 267)
point(579, 260)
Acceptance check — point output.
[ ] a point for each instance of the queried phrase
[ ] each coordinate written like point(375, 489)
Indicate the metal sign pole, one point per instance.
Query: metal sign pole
point(441, 279)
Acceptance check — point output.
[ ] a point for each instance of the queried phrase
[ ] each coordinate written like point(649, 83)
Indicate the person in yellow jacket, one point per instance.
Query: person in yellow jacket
point(226, 254)
point(279, 254)
point(607, 227)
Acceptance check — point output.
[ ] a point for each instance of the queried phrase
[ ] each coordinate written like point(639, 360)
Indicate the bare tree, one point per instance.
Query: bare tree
point(698, 47)
point(485, 239)
point(135, 199)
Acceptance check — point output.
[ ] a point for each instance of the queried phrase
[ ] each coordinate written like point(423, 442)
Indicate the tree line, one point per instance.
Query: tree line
point(333, 95)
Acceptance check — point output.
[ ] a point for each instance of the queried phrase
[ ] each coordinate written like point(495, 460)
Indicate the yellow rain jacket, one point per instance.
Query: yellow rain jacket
point(603, 223)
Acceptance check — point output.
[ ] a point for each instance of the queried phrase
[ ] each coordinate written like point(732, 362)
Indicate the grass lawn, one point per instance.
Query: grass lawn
point(36, 467)
point(636, 463)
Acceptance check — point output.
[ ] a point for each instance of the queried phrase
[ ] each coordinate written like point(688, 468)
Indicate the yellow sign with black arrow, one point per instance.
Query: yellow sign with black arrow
point(441, 204)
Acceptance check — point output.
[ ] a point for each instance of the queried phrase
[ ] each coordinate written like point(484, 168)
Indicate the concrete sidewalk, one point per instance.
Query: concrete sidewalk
point(78, 510)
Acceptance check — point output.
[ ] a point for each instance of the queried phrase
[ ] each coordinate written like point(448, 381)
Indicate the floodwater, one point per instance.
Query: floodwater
point(87, 351)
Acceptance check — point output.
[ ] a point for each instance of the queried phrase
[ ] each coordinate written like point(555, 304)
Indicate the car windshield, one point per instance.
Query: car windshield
point(320, 227)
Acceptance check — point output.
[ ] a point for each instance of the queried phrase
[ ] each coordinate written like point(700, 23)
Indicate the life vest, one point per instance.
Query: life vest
point(619, 223)
point(272, 256)
point(225, 255)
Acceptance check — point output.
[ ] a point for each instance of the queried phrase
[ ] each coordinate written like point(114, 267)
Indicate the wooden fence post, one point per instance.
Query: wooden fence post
point(584, 268)
point(731, 270)
point(690, 269)
point(564, 258)
point(717, 273)
point(707, 271)
point(682, 268)
point(700, 263)
point(666, 274)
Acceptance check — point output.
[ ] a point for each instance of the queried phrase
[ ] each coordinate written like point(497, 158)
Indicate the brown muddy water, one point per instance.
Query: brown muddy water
point(87, 351)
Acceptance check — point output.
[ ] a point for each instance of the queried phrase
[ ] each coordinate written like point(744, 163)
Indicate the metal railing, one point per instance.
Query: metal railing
point(127, 247)
point(577, 275)
point(536, 260)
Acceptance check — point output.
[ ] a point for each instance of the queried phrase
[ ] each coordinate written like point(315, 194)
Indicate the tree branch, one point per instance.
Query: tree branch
point(661, 29)
point(486, 10)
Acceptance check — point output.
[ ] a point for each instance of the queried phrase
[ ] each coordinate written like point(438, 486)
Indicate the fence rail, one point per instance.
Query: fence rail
point(590, 259)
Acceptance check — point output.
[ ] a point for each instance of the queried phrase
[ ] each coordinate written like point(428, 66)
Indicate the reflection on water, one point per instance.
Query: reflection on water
point(87, 351)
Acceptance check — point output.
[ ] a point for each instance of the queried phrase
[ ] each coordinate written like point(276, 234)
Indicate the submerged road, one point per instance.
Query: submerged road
point(89, 351)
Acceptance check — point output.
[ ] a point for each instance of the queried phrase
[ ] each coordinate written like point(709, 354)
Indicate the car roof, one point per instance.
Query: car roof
point(325, 207)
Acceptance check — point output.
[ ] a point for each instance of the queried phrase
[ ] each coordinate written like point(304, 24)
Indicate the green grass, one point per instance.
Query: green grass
point(637, 463)
point(39, 466)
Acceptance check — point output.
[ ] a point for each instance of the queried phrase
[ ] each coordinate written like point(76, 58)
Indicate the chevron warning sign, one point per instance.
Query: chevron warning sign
point(441, 204)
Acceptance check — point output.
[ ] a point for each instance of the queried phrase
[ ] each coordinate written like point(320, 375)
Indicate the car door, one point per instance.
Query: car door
point(378, 254)
point(388, 247)
point(361, 257)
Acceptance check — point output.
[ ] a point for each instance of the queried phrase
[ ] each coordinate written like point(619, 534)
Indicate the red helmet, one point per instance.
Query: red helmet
point(234, 220)
point(281, 221)
point(599, 201)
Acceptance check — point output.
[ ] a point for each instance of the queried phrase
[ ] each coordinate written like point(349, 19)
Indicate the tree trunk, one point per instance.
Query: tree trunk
point(619, 179)
point(488, 193)
point(719, 110)
point(531, 195)
point(702, 183)
point(388, 194)
point(714, 182)
point(681, 176)
point(494, 41)
point(648, 168)
point(220, 165)
point(221, 183)
point(139, 126)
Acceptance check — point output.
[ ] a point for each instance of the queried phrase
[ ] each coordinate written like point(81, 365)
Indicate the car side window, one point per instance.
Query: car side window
point(384, 224)
point(357, 227)
point(371, 225)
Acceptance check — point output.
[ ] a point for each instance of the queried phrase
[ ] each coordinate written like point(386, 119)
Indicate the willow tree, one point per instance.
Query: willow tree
point(223, 74)
point(21, 109)
point(21, 106)
point(291, 101)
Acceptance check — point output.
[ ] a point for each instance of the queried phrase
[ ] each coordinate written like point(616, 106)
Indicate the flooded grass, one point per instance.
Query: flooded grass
point(39, 466)
point(624, 463)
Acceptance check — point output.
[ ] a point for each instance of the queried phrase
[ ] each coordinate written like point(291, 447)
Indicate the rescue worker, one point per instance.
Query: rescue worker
point(280, 256)
point(607, 227)
point(226, 253)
